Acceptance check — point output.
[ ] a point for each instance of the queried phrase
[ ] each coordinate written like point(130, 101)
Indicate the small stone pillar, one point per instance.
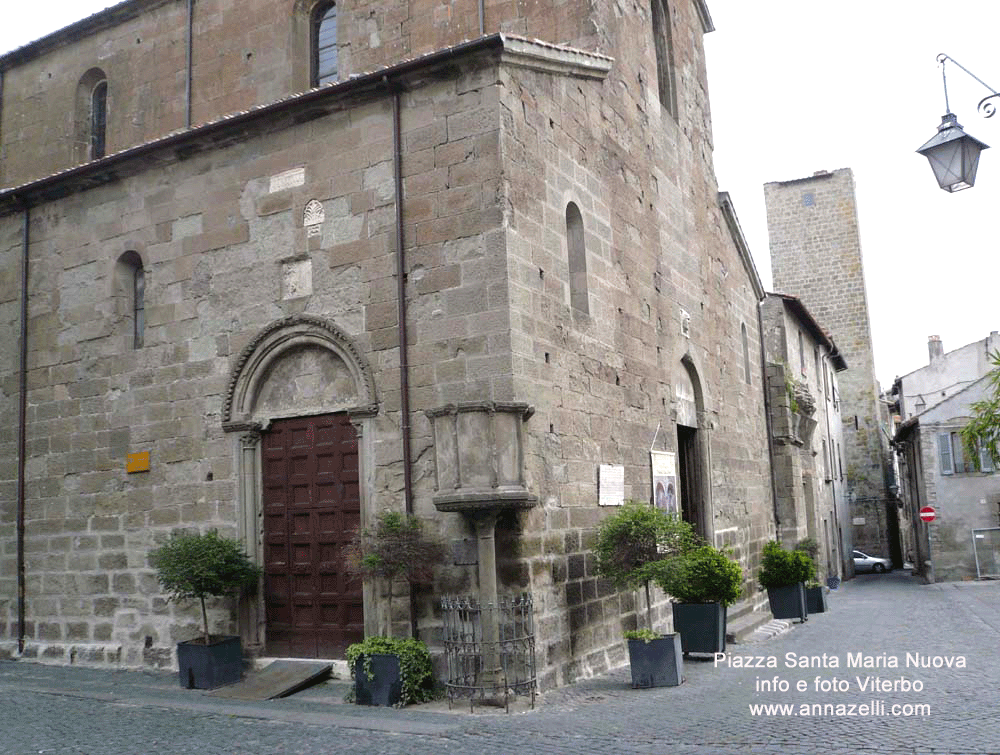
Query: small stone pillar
point(479, 472)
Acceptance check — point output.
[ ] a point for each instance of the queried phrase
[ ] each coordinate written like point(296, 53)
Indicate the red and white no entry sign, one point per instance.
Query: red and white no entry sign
point(928, 514)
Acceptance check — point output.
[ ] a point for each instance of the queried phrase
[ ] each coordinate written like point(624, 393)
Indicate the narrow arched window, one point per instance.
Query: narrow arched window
point(98, 120)
point(324, 44)
point(577, 257)
point(746, 353)
point(663, 45)
point(90, 116)
point(130, 292)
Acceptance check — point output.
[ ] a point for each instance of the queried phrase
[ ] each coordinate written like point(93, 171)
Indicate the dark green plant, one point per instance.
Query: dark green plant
point(193, 566)
point(646, 635)
point(633, 539)
point(810, 547)
point(415, 668)
point(395, 547)
point(982, 433)
point(780, 568)
point(702, 575)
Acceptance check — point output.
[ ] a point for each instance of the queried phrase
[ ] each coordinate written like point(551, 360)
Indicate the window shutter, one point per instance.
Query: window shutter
point(944, 451)
point(986, 463)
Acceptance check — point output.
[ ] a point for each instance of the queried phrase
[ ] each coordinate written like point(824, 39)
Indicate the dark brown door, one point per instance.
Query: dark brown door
point(311, 511)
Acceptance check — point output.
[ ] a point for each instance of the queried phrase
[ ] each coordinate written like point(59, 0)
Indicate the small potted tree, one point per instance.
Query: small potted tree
point(703, 582)
point(815, 592)
point(784, 574)
point(389, 670)
point(629, 544)
point(192, 566)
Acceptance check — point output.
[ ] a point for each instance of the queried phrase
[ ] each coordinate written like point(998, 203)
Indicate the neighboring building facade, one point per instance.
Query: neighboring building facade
point(944, 375)
point(803, 365)
point(816, 256)
point(934, 403)
point(228, 298)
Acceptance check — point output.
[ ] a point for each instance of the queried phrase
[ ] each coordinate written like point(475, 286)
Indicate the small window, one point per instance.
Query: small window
point(802, 354)
point(90, 118)
point(576, 249)
point(951, 452)
point(324, 44)
point(130, 292)
point(98, 120)
point(663, 45)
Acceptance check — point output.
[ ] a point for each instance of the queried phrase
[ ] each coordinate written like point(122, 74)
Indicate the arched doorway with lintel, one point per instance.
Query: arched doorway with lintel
point(300, 406)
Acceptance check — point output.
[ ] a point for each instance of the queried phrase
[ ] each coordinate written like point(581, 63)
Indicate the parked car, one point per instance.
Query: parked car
point(864, 562)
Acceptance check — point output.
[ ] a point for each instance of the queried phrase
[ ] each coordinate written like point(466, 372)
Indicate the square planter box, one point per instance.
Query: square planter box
point(657, 663)
point(702, 626)
point(788, 602)
point(203, 666)
point(815, 600)
point(384, 686)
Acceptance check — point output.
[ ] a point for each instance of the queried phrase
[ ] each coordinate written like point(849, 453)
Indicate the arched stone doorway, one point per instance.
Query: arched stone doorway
point(693, 450)
point(299, 406)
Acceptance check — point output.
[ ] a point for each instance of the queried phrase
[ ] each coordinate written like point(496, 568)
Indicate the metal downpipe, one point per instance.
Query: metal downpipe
point(189, 78)
point(22, 428)
point(404, 366)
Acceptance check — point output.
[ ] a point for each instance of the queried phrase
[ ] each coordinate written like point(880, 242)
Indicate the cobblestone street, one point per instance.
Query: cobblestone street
point(73, 710)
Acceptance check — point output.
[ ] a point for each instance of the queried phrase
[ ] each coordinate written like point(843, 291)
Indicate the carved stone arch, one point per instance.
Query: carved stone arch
point(267, 382)
point(276, 341)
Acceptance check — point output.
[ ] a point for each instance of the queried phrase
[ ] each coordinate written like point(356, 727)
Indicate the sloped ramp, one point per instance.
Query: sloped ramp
point(279, 679)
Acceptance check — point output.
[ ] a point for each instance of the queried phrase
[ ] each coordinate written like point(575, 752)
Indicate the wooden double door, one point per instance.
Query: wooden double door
point(312, 508)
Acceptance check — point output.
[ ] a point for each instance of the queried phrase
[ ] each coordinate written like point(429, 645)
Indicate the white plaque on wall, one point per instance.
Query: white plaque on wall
point(287, 180)
point(611, 485)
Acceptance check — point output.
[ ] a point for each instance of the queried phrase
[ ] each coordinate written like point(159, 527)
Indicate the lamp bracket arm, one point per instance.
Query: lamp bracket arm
point(987, 107)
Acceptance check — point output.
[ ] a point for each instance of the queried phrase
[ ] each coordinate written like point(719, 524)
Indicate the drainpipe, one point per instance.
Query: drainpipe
point(767, 412)
point(404, 366)
point(22, 428)
point(190, 63)
point(482, 17)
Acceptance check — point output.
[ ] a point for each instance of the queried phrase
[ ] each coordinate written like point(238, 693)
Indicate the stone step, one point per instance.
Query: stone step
point(746, 623)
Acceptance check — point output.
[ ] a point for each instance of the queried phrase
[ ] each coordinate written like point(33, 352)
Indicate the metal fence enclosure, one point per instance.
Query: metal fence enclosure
point(490, 650)
point(986, 543)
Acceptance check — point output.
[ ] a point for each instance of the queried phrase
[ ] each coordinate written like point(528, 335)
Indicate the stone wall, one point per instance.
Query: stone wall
point(244, 54)
point(218, 234)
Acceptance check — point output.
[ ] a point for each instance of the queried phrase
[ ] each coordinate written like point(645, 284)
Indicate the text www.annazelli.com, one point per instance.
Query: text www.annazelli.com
point(872, 709)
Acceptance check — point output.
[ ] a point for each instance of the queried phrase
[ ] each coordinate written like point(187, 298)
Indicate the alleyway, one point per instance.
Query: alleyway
point(881, 617)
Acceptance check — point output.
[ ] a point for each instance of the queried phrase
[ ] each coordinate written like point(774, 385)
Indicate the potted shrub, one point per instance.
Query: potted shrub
point(393, 671)
point(192, 566)
point(815, 592)
point(784, 573)
point(630, 543)
point(386, 670)
point(703, 582)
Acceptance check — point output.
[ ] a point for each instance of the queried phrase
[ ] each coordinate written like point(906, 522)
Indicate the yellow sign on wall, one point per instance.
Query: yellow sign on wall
point(137, 462)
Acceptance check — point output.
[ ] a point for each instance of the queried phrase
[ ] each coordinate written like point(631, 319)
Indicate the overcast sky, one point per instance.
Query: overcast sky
point(800, 86)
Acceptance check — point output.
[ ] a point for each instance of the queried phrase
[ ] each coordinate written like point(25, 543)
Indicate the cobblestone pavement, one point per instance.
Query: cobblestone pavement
point(71, 710)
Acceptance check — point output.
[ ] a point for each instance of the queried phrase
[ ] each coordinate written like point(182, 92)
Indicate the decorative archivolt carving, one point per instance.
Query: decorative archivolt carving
point(275, 340)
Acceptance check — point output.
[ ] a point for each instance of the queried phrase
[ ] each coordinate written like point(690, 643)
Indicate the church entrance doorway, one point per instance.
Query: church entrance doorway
point(311, 509)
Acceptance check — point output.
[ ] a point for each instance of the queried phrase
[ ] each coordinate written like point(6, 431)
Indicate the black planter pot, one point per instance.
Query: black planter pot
point(657, 663)
point(202, 666)
point(702, 626)
point(815, 600)
point(788, 602)
point(385, 684)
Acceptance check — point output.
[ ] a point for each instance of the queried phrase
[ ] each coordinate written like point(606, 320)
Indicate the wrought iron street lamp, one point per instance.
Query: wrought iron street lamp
point(952, 153)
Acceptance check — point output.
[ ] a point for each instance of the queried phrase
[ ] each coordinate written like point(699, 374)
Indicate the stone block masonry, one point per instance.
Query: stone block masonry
point(816, 256)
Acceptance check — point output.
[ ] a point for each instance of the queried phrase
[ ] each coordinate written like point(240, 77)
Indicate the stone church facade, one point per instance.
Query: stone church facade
point(457, 278)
